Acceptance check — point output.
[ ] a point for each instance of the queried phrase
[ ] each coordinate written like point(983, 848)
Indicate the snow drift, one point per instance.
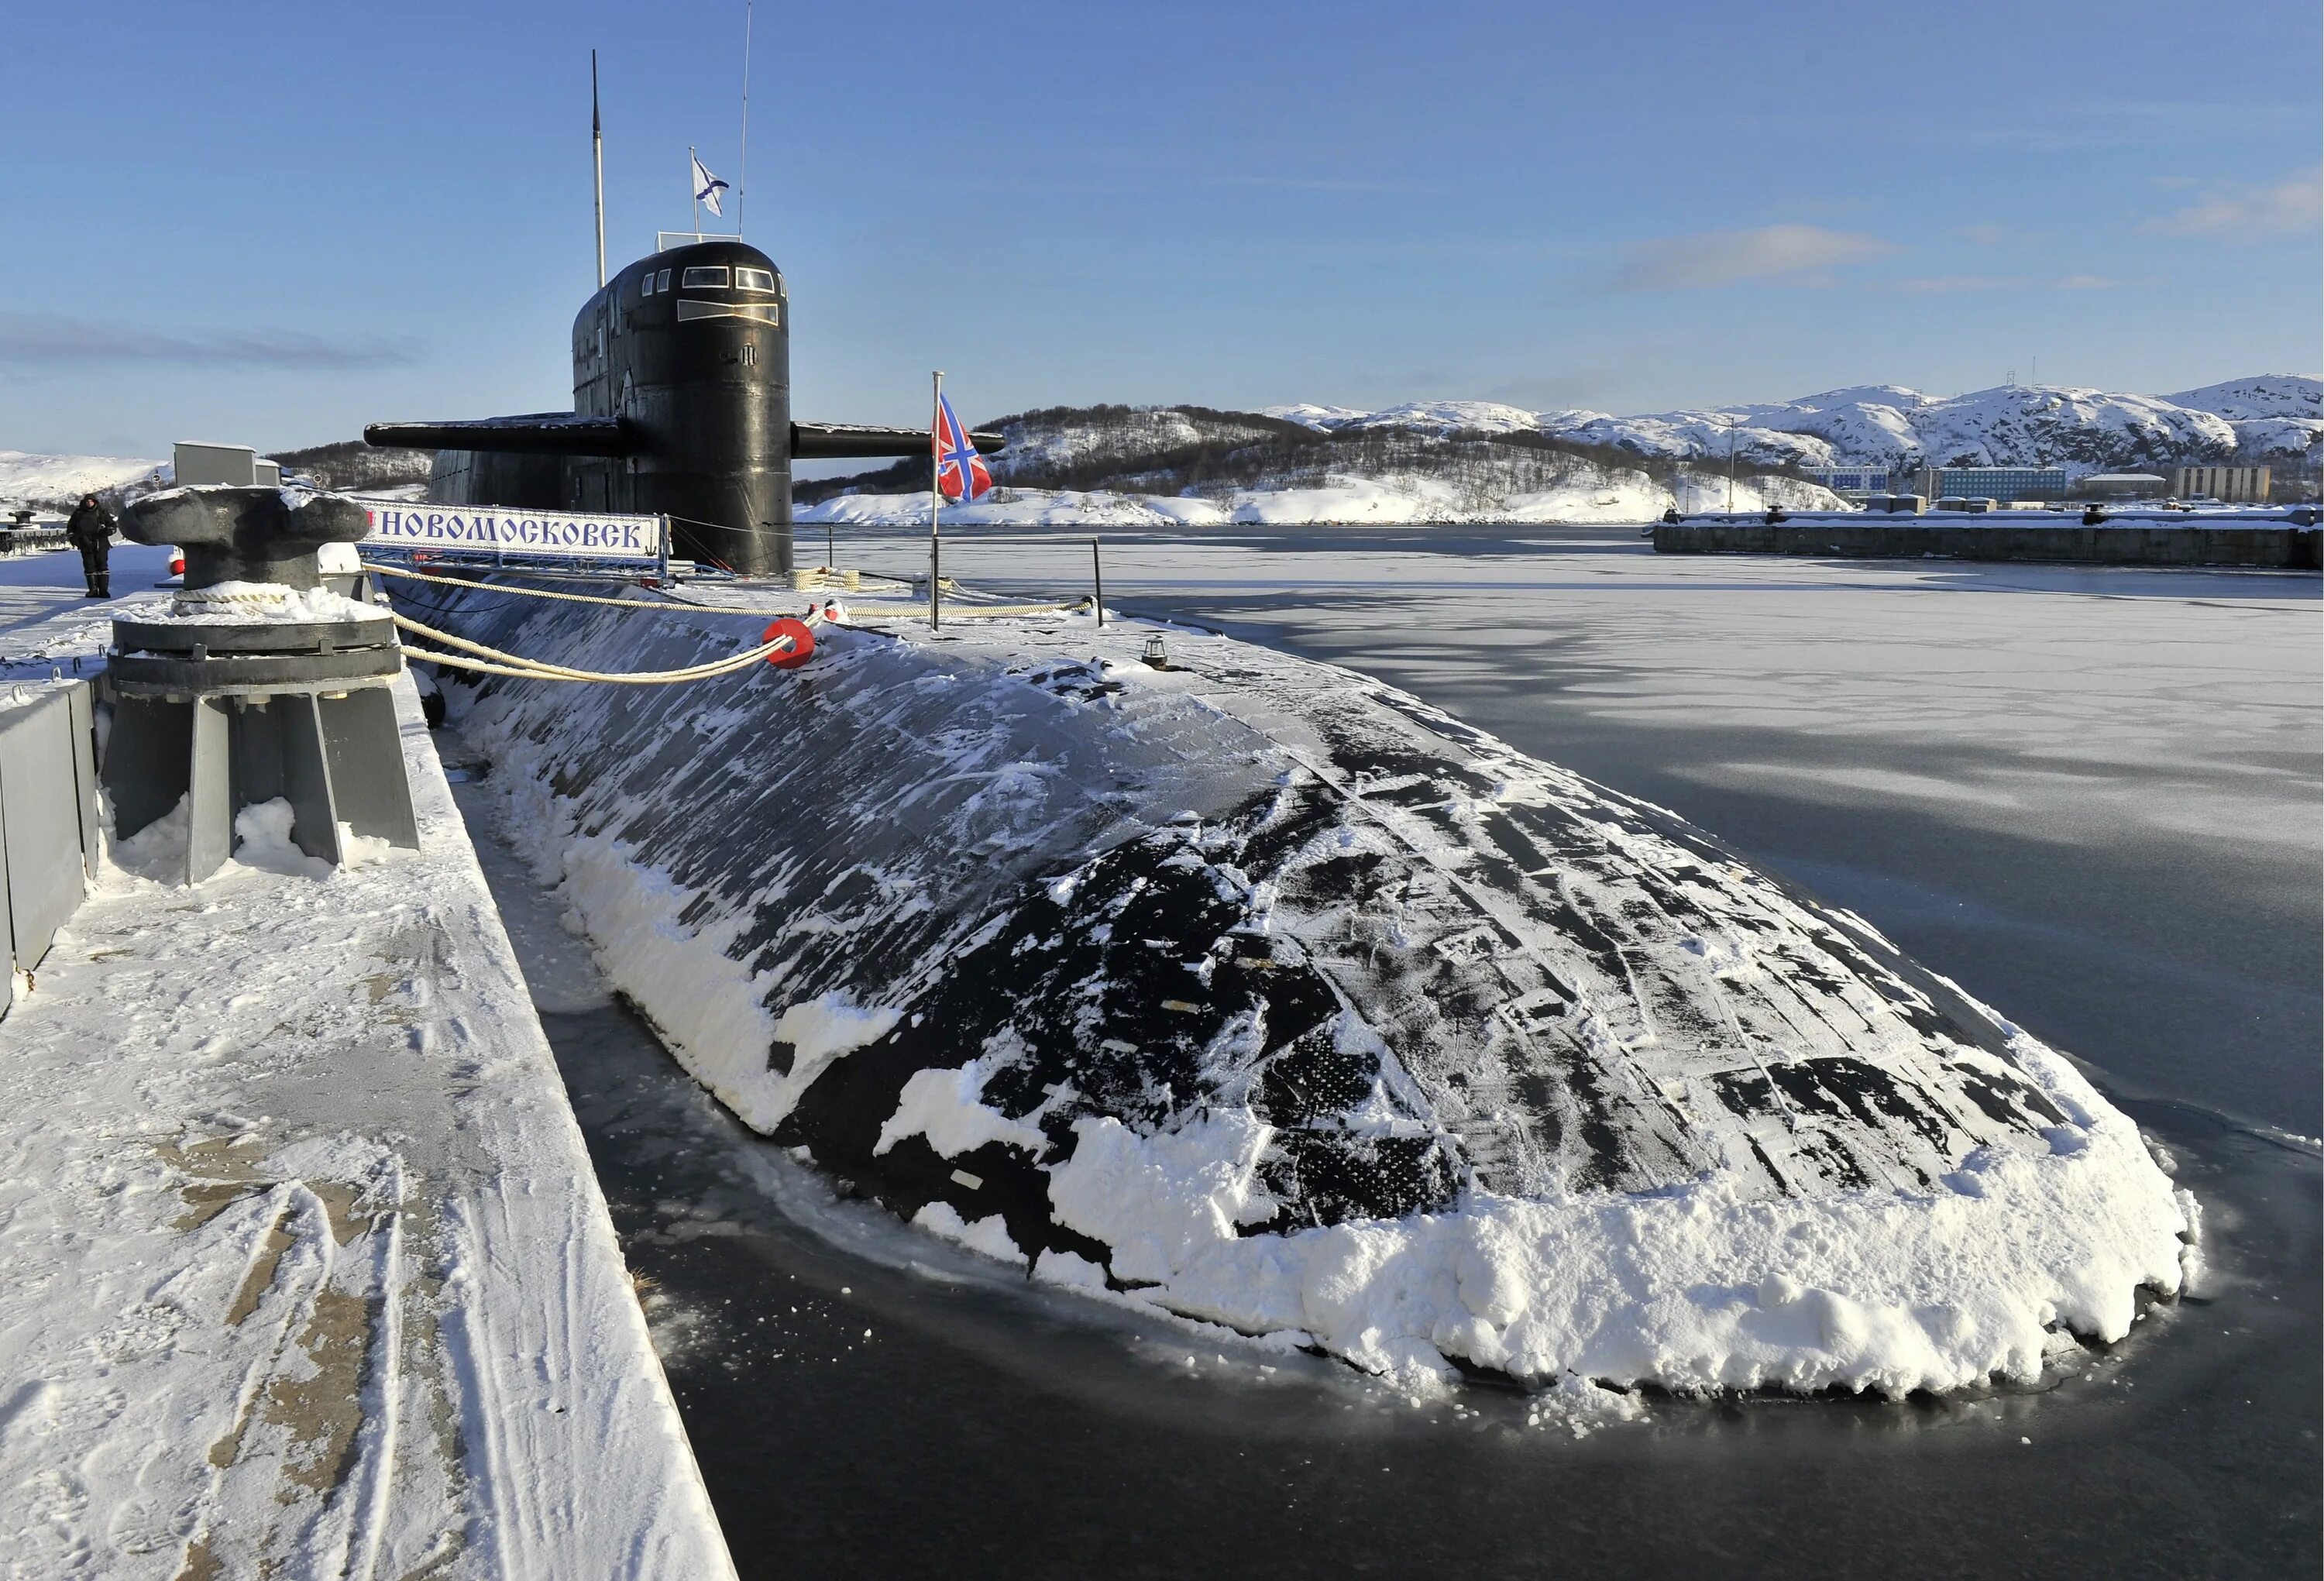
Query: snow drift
point(1266, 995)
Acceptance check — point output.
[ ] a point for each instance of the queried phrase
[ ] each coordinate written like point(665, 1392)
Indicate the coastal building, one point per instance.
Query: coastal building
point(1852, 483)
point(2235, 484)
point(2120, 485)
point(1990, 482)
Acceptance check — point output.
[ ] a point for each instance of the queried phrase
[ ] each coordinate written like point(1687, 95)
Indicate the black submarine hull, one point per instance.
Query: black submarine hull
point(1257, 992)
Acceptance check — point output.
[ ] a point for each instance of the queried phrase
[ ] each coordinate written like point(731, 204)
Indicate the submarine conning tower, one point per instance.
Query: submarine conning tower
point(681, 407)
point(691, 349)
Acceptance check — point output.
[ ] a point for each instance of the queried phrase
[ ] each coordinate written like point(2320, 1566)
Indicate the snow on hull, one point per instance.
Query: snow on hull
point(1295, 1004)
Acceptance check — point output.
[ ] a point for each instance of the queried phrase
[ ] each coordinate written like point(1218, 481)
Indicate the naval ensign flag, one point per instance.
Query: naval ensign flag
point(707, 187)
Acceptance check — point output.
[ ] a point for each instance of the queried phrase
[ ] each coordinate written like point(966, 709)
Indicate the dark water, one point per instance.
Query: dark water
point(981, 1425)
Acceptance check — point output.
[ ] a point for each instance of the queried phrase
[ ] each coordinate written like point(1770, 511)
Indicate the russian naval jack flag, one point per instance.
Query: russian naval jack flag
point(961, 471)
point(707, 188)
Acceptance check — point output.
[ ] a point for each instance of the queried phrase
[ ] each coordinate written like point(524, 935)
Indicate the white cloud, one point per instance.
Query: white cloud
point(1718, 258)
point(1945, 283)
point(29, 338)
point(2293, 204)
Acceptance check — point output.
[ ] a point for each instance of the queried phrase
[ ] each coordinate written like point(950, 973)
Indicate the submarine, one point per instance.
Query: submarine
point(681, 407)
point(1257, 994)
point(1240, 988)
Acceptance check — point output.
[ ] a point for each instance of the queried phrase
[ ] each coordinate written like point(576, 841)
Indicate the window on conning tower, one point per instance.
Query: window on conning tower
point(661, 281)
point(754, 279)
point(647, 288)
point(702, 275)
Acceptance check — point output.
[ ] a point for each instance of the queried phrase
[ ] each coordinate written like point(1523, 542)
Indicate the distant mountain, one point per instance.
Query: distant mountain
point(2271, 418)
point(57, 482)
point(1123, 466)
point(2272, 414)
point(1469, 460)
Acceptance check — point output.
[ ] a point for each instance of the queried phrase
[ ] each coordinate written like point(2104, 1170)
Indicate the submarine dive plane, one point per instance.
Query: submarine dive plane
point(681, 407)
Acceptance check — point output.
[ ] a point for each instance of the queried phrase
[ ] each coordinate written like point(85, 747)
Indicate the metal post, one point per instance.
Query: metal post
point(1097, 583)
point(935, 502)
point(663, 556)
point(597, 150)
point(830, 547)
point(742, 167)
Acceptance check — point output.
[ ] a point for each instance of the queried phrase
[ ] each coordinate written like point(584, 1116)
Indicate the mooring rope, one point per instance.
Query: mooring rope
point(570, 598)
point(635, 679)
point(517, 667)
point(545, 670)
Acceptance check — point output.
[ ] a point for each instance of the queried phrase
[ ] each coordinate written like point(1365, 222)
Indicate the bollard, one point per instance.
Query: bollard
point(235, 699)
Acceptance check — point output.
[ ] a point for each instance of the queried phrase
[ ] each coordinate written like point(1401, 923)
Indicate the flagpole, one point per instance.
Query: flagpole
point(692, 159)
point(936, 503)
point(743, 170)
point(597, 151)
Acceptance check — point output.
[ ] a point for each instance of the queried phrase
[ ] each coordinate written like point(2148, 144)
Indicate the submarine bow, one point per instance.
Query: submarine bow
point(1267, 995)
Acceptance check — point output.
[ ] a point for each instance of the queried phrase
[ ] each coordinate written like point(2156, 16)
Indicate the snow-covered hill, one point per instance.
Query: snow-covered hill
point(1113, 465)
point(1396, 497)
point(2082, 429)
point(54, 482)
point(2274, 414)
point(1469, 460)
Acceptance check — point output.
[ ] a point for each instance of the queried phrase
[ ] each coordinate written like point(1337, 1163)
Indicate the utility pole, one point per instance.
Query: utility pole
point(1730, 423)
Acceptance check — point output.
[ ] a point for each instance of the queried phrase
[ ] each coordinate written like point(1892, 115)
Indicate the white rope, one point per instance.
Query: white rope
point(517, 667)
point(639, 678)
point(551, 671)
point(570, 598)
point(959, 611)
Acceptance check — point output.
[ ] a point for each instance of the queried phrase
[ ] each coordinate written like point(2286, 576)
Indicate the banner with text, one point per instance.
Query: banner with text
point(493, 530)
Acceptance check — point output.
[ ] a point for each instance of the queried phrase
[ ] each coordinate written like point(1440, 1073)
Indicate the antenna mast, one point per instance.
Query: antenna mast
point(597, 150)
point(743, 173)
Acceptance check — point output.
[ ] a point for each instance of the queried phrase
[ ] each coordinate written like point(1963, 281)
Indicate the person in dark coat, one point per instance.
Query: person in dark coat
point(91, 528)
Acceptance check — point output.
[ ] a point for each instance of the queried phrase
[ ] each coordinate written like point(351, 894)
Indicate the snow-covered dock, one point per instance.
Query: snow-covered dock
point(307, 1271)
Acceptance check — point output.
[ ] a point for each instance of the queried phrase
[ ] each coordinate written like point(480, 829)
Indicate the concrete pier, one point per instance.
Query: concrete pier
point(2273, 542)
point(308, 1271)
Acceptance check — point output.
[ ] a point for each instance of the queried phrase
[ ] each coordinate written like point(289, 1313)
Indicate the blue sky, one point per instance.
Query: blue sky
point(271, 223)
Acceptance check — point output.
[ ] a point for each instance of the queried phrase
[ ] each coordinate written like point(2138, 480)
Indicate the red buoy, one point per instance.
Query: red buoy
point(802, 647)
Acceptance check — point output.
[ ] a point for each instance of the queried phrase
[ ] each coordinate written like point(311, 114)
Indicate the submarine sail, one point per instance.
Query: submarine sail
point(681, 407)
